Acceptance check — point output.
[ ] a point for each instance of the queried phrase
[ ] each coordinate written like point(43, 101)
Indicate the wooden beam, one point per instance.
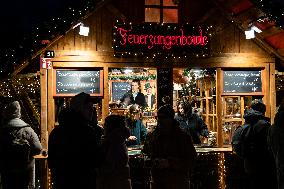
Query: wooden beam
point(50, 103)
point(229, 4)
point(266, 89)
point(248, 16)
point(219, 107)
point(43, 108)
point(115, 12)
point(105, 100)
point(281, 51)
point(273, 30)
point(226, 60)
point(272, 91)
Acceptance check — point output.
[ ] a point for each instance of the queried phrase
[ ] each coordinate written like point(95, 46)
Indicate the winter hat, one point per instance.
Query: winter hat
point(258, 105)
point(78, 102)
point(12, 110)
point(167, 110)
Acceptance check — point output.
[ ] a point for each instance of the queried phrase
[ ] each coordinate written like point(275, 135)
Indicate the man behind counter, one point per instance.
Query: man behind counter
point(136, 97)
point(138, 131)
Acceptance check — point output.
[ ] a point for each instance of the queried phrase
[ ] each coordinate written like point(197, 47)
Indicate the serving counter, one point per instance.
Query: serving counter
point(216, 168)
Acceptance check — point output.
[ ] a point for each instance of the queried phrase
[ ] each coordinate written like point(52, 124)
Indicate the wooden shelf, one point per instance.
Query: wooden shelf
point(231, 119)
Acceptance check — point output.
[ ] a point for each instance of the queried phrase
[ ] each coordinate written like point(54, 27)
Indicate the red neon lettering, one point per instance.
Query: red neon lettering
point(142, 39)
point(130, 39)
point(151, 42)
point(123, 34)
point(166, 41)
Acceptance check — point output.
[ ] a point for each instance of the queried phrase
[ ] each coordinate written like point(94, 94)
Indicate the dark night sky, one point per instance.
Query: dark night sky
point(20, 16)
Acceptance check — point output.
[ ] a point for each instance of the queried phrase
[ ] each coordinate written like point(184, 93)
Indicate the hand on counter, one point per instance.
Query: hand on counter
point(132, 138)
point(44, 152)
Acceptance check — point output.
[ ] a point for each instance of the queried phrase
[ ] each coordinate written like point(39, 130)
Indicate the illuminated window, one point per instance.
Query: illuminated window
point(163, 11)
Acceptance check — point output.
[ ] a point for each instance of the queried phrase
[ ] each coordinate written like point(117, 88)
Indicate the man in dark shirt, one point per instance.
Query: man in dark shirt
point(136, 97)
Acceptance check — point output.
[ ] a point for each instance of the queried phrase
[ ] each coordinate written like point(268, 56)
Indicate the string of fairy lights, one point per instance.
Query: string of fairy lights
point(274, 10)
point(41, 35)
point(19, 85)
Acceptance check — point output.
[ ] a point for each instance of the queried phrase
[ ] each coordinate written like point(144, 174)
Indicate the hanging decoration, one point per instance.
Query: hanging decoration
point(132, 77)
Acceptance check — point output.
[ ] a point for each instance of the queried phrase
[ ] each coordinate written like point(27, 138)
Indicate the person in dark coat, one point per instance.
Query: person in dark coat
point(171, 151)
point(114, 170)
point(276, 143)
point(73, 149)
point(14, 175)
point(258, 162)
point(191, 123)
point(138, 131)
point(136, 97)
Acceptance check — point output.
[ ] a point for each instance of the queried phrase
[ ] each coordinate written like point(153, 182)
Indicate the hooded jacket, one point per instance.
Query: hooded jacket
point(23, 130)
point(260, 162)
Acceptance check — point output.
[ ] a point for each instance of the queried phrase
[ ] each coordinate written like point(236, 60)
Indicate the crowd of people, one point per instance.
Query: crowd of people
point(82, 154)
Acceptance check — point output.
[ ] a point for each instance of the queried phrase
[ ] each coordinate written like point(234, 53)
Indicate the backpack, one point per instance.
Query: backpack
point(242, 140)
point(16, 151)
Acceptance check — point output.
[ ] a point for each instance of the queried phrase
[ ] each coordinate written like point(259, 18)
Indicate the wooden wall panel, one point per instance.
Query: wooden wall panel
point(132, 9)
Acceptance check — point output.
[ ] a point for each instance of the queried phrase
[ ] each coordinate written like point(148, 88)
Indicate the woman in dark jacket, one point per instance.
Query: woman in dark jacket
point(138, 131)
point(191, 123)
point(276, 143)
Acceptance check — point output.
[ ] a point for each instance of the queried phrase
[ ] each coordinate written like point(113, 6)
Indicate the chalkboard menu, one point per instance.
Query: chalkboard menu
point(119, 89)
point(72, 82)
point(242, 82)
point(164, 84)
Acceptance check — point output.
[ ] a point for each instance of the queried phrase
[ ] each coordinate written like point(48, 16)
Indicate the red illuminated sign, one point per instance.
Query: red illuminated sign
point(170, 39)
point(167, 41)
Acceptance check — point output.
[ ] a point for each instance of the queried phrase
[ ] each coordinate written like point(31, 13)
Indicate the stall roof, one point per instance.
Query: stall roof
point(244, 14)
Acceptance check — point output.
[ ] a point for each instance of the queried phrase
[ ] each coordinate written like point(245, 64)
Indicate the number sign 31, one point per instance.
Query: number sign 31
point(49, 54)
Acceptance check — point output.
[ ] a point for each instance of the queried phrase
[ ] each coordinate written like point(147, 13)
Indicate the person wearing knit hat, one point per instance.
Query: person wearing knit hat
point(15, 169)
point(12, 110)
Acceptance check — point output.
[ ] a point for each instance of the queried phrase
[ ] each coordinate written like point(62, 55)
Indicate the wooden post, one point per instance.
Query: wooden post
point(43, 108)
point(43, 125)
point(272, 92)
point(219, 107)
point(267, 92)
point(242, 106)
point(105, 100)
point(50, 103)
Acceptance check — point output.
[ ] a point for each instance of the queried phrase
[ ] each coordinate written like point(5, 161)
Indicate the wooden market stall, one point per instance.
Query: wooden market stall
point(229, 54)
point(243, 70)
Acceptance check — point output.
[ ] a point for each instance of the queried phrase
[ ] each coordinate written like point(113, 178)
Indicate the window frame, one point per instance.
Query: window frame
point(161, 7)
